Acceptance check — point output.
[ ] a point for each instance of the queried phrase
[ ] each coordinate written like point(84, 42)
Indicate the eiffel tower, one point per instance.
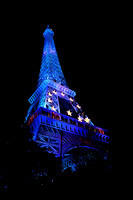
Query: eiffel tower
point(56, 120)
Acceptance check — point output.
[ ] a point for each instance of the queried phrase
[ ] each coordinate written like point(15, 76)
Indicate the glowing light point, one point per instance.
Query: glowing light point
point(80, 119)
point(50, 100)
point(50, 94)
point(53, 108)
point(71, 99)
point(87, 120)
point(79, 107)
point(62, 94)
point(54, 92)
point(69, 113)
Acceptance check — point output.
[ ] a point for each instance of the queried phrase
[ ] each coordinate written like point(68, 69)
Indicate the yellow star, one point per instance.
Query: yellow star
point(62, 94)
point(53, 108)
point(50, 94)
point(87, 120)
point(80, 119)
point(50, 100)
point(54, 92)
point(69, 113)
point(78, 106)
point(71, 99)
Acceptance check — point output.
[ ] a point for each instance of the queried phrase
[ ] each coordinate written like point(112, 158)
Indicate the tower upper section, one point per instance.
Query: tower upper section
point(49, 46)
point(50, 66)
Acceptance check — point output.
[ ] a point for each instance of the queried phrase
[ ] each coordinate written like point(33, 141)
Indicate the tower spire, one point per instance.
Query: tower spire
point(50, 66)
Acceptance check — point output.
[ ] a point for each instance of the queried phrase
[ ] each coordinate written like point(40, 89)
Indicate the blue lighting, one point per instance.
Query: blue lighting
point(56, 120)
point(50, 67)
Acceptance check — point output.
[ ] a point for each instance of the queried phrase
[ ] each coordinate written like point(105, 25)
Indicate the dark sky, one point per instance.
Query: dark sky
point(85, 53)
point(86, 44)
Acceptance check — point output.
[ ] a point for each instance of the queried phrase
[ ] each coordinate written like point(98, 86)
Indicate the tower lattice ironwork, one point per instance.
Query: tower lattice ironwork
point(55, 118)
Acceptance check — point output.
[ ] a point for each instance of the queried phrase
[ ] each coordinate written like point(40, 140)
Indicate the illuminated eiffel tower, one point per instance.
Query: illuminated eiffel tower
point(56, 120)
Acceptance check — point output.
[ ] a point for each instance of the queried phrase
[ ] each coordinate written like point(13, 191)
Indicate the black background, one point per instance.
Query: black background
point(86, 54)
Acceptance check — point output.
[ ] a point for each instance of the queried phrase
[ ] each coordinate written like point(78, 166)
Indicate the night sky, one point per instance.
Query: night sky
point(86, 54)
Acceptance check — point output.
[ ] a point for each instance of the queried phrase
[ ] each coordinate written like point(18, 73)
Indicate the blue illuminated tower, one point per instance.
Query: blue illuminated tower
point(56, 120)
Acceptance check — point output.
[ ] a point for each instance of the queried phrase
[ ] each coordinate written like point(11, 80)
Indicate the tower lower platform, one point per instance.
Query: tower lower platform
point(58, 134)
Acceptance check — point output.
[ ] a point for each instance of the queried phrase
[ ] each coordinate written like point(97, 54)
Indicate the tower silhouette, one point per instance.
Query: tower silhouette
point(56, 120)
